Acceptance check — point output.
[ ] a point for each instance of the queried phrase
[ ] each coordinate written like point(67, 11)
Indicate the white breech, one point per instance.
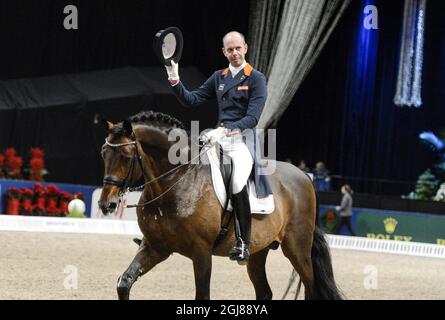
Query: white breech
point(242, 161)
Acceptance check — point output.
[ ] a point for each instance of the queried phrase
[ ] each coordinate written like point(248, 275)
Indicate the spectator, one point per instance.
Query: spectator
point(345, 209)
point(302, 166)
point(322, 179)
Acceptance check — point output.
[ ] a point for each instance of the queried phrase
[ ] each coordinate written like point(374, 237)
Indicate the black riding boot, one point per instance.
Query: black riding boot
point(241, 207)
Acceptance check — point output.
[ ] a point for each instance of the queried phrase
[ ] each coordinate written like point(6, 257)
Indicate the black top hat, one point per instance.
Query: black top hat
point(168, 45)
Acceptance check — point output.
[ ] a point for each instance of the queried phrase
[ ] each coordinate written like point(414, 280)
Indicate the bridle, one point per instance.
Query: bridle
point(123, 185)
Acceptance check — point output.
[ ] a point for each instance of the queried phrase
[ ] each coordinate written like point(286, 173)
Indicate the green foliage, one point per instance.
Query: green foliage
point(330, 221)
point(426, 187)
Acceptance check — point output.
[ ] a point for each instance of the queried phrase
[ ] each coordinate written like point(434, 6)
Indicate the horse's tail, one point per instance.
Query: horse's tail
point(324, 283)
point(317, 206)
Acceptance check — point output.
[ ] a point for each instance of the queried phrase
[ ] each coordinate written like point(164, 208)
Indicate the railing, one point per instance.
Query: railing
point(387, 246)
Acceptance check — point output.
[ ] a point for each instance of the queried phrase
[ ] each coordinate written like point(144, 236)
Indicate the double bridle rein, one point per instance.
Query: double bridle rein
point(123, 185)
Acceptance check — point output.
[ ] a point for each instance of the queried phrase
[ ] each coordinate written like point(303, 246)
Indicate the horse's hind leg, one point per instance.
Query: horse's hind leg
point(297, 248)
point(256, 269)
point(202, 267)
point(146, 258)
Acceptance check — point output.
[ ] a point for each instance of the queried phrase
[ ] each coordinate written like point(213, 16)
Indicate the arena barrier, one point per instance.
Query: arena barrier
point(127, 227)
point(387, 246)
point(68, 225)
point(388, 225)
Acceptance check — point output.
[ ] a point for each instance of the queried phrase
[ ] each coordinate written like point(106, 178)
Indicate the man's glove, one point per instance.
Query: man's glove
point(214, 135)
point(173, 71)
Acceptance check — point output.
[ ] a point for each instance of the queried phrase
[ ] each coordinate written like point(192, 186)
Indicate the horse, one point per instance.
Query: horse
point(179, 212)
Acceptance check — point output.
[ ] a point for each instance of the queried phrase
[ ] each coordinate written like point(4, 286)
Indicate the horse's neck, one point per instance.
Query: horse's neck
point(177, 186)
point(155, 155)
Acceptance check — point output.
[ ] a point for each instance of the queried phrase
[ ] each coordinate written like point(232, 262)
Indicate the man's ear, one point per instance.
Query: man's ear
point(108, 125)
point(127, 127)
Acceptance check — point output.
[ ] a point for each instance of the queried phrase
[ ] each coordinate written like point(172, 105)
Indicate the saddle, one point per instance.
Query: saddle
point(221, 171)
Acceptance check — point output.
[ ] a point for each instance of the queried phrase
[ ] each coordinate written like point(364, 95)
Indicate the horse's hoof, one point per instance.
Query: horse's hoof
point(123, 293)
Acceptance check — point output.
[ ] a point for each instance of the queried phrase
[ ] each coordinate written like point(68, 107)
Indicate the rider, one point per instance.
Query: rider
point(241, 92)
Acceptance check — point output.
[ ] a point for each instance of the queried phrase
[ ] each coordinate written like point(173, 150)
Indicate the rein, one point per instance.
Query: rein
point(122, 184)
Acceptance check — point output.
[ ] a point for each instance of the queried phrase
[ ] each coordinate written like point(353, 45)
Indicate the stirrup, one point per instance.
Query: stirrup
point(240, 253)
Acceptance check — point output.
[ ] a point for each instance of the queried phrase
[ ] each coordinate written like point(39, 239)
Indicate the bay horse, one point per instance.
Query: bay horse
point(183, 214)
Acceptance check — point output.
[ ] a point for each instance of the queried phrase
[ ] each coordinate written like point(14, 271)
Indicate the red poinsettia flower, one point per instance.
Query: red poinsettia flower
point(330, 216)
point(36, 153)
point(10, 152)
point(37, 164)
point(52, 191)
point(68, 196)
point(38, 188)
point(27, 193)
point(13, 193)
point(14, 163)
point(2, 160)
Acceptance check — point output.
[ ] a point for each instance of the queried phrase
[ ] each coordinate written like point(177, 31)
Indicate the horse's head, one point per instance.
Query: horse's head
point(121, 159)
point(137, 147)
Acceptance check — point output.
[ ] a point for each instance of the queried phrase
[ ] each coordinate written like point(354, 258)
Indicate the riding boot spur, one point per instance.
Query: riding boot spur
point(241, 207)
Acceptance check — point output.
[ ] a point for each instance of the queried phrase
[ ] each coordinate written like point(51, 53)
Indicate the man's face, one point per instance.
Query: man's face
point(235, 49)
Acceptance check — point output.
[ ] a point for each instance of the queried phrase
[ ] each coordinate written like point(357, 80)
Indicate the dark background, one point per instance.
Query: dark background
point(58, 111)
point(380, 142)
point(111, 34)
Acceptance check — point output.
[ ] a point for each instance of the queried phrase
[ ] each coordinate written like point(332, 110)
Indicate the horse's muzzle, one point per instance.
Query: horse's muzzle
point(107, 207)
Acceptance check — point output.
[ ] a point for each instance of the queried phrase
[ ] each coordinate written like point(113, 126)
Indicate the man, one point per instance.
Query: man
point(241, 93)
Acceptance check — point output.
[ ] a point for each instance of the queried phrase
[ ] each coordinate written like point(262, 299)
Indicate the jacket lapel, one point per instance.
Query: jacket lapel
point(230, 82)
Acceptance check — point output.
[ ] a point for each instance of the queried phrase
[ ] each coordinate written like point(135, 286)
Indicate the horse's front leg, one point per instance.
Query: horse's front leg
point(202, 266)
point(146, 258)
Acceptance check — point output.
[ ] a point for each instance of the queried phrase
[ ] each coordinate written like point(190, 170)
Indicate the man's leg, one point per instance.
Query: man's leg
point(242, 166)
point(241, 205)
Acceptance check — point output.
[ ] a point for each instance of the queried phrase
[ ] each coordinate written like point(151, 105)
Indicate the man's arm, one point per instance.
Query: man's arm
point(257, 100)
point(193, 98)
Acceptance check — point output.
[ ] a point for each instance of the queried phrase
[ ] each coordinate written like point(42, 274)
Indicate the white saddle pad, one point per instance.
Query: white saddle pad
point(257, 205)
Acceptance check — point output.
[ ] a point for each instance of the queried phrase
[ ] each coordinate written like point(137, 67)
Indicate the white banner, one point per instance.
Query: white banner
point(68, 225)
point(121, 213)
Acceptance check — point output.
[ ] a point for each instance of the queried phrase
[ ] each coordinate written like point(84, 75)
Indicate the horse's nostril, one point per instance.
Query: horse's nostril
point(107, 207)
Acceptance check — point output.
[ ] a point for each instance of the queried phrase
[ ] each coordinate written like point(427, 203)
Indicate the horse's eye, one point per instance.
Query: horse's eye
point(126, 158)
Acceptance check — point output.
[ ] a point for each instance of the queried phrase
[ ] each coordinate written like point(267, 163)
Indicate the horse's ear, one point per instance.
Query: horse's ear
point(128, 128)
point(108, 125)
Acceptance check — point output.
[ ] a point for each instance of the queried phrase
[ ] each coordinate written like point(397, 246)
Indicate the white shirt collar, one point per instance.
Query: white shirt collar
point(234, 71)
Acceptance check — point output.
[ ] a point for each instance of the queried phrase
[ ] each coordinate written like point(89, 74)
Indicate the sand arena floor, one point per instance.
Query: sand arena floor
point(42, 265)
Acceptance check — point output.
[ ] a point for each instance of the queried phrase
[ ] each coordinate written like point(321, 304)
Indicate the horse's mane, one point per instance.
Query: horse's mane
point(153, 119)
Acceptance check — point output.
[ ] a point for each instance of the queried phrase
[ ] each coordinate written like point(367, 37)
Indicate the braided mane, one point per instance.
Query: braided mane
point(156, 119)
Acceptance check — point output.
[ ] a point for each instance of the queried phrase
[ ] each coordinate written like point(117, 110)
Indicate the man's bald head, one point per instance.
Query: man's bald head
point(234, 48)
point(233, 34)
